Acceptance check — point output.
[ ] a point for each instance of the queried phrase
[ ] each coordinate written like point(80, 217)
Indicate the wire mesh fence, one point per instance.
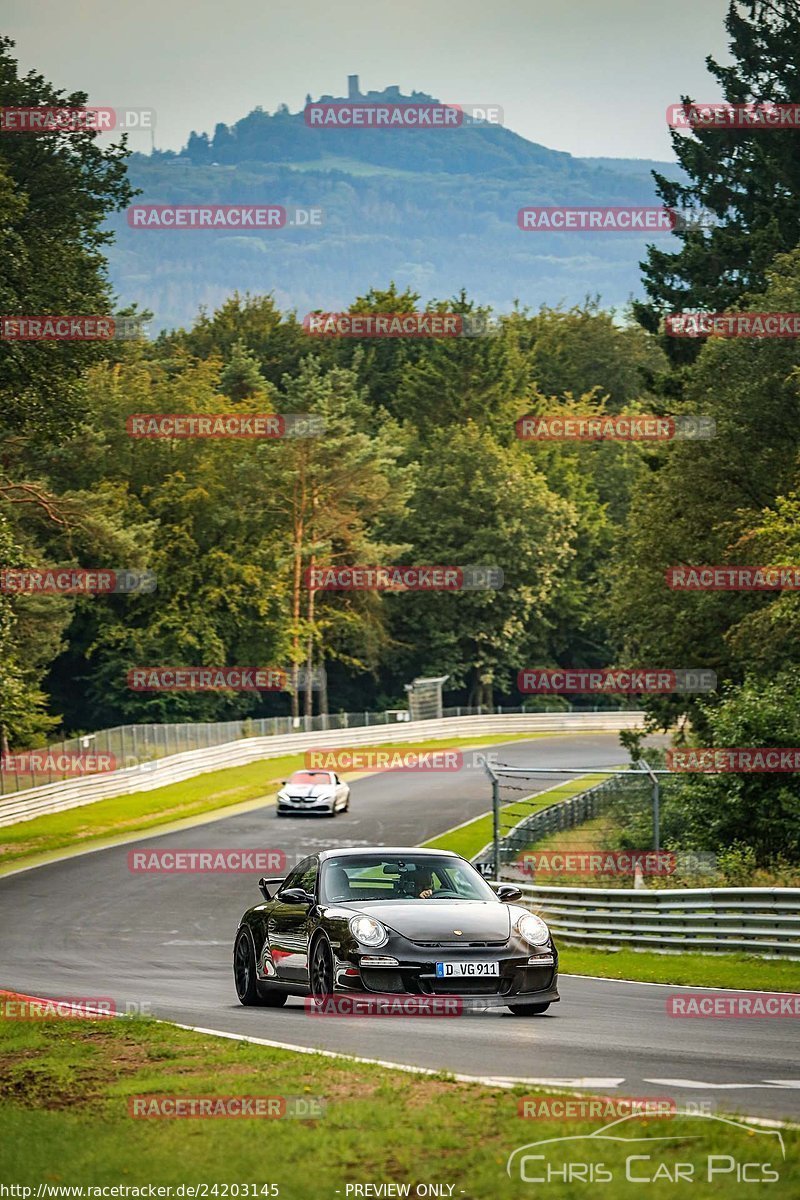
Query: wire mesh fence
point(596, 830)
point(132, 745)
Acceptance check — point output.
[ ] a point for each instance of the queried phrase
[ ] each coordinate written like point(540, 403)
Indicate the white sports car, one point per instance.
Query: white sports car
point(314, 791)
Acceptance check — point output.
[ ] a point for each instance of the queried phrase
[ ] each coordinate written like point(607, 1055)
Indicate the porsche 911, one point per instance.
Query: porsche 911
point(395, 922)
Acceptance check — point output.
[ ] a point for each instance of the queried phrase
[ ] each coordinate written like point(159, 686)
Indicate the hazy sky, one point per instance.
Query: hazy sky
point(589, 76)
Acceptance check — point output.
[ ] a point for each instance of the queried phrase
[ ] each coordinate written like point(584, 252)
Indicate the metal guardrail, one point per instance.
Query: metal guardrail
point(763, 921)
point(131, 745)
point(72, 793)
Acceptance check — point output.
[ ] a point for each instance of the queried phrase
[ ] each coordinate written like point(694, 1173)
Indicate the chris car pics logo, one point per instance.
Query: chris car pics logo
point(637, 1151)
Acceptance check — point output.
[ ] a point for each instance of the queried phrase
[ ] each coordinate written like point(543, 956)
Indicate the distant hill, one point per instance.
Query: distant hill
point(434, 210)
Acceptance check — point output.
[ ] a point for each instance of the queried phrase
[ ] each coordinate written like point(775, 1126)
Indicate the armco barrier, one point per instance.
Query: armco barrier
point(565, 814)
point(72, 793)
point(763, 921)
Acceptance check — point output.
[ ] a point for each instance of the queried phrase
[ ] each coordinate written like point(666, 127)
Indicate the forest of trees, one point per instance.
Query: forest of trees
point(419, 463)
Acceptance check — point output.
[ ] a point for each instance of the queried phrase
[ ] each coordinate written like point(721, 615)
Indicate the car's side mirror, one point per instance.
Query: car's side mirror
point(296, 895)
point(506, 892)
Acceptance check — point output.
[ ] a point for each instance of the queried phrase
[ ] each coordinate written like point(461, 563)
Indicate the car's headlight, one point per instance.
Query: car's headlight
point(533, 929)
point(368, 931)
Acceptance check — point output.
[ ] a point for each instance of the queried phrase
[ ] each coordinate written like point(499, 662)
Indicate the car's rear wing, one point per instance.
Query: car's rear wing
point(265, 884)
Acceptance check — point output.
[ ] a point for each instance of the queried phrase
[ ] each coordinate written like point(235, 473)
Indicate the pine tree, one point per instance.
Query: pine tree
point(750, 180)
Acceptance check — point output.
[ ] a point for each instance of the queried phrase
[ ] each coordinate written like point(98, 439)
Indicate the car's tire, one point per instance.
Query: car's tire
point(528, 1010)
point(248, 989)
point(321, 971)
point(244, 969)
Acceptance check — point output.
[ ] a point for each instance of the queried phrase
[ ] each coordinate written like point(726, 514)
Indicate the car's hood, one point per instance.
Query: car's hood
point(437, 920)
point(308, 789)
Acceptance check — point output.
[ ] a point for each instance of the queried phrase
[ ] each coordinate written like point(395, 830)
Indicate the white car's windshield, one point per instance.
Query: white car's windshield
point(394, 877)
point(313, 777)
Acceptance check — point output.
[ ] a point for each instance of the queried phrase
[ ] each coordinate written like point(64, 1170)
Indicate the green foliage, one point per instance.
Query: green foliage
point(754, 817)
point(750, 181)
point(730, 499)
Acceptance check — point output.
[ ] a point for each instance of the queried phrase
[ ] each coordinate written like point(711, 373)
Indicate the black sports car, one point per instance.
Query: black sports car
point(393, 921)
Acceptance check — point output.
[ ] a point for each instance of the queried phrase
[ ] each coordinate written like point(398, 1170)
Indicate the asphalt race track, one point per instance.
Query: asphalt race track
point(87, 926)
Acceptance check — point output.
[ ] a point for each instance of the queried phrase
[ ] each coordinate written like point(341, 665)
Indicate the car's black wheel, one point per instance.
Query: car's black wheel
point(528, 1010)
point(244, 969)
point(321, 971)
point(248, 989)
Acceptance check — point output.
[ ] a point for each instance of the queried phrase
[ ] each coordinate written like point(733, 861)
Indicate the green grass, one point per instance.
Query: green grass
point(65, 1087)
point(469, 839)
point(27, 841)
point(701, 970)
point(739, 971)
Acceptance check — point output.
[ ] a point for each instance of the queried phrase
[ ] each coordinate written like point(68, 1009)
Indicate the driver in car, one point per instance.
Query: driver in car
point(424, 883)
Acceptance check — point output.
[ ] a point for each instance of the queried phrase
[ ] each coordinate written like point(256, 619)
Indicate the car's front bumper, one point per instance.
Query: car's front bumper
point(324, 804)
point(523, 978)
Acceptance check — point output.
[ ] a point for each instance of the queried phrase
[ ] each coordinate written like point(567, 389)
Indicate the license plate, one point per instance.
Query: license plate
point(471, 969)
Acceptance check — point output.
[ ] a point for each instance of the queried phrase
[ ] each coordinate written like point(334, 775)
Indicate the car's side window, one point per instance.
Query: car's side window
point(308, 879)
point(293, 879)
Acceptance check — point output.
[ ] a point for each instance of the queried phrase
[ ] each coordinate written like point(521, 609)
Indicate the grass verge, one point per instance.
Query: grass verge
point(66, 1087)
point(739, 971)
point(27, 841)
point(468, 839)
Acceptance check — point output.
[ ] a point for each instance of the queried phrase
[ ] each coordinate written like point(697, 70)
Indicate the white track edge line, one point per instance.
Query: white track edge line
point(484, 1080)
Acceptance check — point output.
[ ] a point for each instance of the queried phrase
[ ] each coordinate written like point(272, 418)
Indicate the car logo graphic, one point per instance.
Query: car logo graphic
point(603, 1134)
point(459, 931)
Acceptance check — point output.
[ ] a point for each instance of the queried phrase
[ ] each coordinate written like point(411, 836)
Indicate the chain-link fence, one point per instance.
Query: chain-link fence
point(600, 829)
point(131, 745)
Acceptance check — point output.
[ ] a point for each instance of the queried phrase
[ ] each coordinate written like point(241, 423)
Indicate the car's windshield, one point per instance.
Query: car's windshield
point(310, 777)
point(396, 877)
